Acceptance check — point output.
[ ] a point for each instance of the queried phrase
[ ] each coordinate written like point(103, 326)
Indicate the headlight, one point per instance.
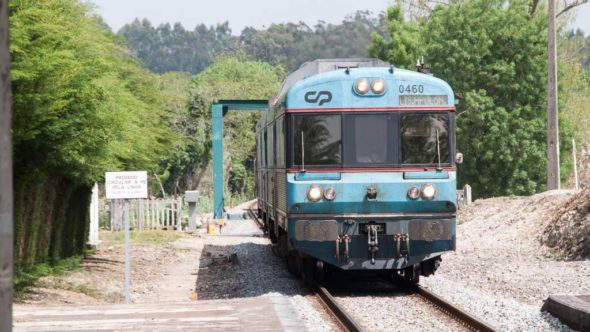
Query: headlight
point(329, 194)
point(414, 193)
point(362, 86)
point(428, 191)
point(314, 193)
point(378, 86)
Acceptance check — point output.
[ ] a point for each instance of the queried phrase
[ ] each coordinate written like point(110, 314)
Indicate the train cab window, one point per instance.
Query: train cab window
point(369, 139)
point(322, 140)
point(423, 136)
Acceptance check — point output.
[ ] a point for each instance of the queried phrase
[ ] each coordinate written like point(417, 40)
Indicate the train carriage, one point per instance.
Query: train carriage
point(356, 168)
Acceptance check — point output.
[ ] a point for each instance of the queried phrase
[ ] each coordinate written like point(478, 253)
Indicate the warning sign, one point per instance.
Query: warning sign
point(126, 184)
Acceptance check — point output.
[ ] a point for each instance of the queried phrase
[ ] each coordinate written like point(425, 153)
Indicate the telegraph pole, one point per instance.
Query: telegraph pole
point(6, 215)
point(552, 124)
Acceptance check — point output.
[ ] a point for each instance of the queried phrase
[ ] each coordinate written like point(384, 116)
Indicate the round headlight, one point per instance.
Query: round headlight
point(428, 191)
point(314, 193)
point(329, 194)
point(362, 86)
point(414, 193)
point(378, 86)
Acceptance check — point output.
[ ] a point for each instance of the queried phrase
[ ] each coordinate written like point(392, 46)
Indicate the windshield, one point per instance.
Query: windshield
point(321, 139)
point(370, 139)
point(423, 137)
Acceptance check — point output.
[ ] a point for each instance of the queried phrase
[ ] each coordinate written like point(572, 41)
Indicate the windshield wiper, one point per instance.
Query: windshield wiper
point(302, 153)
point(438, 151)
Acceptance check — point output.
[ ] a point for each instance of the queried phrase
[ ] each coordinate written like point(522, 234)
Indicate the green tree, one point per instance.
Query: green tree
point(81, 106)
point(404, 46)
point(173, 48)
point(493, 54)
point(227, 78)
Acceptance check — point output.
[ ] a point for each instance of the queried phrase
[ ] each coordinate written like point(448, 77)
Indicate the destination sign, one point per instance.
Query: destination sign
point(126, 184)
point(415, 100)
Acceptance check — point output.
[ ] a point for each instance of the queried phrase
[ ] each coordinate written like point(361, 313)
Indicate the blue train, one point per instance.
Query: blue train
point(356, 169)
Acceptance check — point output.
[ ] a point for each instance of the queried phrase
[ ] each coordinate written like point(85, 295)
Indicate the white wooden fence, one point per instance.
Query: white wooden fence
point(144, 214)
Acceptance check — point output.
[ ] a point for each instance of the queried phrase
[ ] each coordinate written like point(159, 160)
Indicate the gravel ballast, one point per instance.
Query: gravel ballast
point(500, 271)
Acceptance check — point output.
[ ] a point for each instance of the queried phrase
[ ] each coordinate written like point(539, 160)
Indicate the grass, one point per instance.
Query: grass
point(141, 237)
point(24, 278)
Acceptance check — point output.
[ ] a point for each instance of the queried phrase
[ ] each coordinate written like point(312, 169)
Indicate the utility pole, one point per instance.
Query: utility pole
point(6, 212)
point(552, 124)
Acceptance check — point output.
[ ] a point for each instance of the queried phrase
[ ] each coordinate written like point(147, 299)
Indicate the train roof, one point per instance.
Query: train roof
point(319, 66)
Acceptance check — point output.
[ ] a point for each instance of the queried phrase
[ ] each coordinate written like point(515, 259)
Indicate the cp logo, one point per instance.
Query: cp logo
point(322, 96)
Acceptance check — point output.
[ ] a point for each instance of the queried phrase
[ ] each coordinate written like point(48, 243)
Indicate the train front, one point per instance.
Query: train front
point(371, 176)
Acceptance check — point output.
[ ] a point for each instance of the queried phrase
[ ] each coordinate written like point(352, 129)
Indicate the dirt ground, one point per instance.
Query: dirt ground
point(159, 272)
point(499, 238)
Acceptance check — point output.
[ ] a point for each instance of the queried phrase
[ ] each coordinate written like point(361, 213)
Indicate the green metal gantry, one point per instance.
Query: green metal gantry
point(218, 111)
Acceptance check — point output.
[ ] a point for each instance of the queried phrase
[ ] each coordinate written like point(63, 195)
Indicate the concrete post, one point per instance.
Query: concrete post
point(553, 179)
point(94, 216)
point(6, 195)
point(217, 135)
point(192, 197)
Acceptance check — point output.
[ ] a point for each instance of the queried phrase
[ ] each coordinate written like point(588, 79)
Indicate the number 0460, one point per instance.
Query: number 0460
point(415, 88)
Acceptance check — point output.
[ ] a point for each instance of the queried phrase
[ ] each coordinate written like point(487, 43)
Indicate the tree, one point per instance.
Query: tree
point(82, 106)
point(493, 54)
point(227, 78)
point(173, 48)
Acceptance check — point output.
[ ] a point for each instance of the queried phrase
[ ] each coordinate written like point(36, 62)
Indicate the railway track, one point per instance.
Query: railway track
point(347, 321)
point(254, 217)
point(471, 322)
point(461, 316)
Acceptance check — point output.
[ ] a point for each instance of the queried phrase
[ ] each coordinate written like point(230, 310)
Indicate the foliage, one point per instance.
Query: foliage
point(81, 106)
point(574, 87)
point(581, 45)
point(493, 54)
point(24, 278)
point(168, 48)
point(404, 46)
point(156, 238)
point(235, 78)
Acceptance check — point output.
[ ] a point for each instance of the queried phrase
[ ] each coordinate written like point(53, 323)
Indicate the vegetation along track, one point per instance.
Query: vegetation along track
point(347, 321)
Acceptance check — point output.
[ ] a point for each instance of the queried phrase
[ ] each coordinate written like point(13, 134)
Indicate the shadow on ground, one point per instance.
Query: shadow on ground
point(243, 270)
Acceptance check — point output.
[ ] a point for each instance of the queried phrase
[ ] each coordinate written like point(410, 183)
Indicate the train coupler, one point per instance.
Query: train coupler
point(346, 239)
point(337, 256)
point(397, 238)
point(372, 241)
point(406, 238)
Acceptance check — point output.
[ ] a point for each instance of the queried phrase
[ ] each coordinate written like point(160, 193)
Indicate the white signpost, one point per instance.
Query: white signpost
point(126, 185)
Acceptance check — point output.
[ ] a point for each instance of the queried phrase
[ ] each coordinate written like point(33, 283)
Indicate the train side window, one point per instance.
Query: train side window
point(269, 147)
point(257, 161)
point(264, 157)
point(280, 143)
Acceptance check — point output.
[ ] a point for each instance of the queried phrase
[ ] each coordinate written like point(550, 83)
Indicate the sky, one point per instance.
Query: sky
point(254, 13)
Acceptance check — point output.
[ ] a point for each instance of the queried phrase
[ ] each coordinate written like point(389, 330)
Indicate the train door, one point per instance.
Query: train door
point(262, 174)
point(274, 177)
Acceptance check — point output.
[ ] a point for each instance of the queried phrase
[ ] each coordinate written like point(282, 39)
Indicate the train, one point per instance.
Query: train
point(356, 169)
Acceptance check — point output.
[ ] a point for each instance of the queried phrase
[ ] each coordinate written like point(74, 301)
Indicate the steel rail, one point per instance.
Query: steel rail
point(471, 321)
point(325, 297)
point(337, 311)
point(256, 219)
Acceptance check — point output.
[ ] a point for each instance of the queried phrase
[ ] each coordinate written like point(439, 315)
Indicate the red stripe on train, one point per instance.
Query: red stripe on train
point(369, 109)
point(359, 170)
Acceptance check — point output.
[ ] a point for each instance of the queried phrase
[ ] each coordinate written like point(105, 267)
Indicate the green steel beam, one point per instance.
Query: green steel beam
point(218, 111)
